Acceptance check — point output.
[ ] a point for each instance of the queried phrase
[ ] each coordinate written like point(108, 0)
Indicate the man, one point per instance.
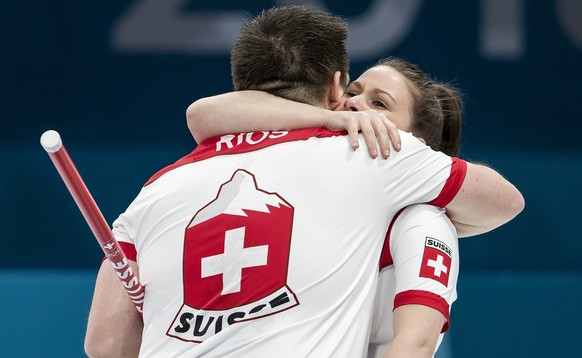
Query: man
point(262, 244)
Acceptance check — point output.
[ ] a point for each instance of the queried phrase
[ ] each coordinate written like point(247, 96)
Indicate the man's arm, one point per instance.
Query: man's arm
point(485, 201)
point(247, 111)
point(115, 327)
point(416, 332)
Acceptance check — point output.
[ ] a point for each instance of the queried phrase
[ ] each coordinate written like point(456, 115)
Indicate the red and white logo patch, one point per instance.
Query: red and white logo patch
point(436, 261)
point(236, 256)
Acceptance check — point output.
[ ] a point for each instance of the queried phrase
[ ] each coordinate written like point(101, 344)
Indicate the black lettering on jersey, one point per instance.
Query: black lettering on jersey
point(279, 300)
point(235, 317)
point(185, 322)
point(437, 244)
point(257, 309)
point(199, 320)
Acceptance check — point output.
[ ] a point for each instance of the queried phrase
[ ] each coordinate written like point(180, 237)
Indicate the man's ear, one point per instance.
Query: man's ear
point(336, 90)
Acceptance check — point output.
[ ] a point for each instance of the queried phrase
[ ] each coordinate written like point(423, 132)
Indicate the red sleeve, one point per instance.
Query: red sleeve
point(425, 298)
point(128, 249)
point(453, 183)
point(386, 256)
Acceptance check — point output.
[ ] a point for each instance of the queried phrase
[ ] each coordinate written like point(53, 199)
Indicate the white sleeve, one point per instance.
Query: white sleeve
point(424, 248)
point(124, 230)
point(407, 276)
point(422, 174)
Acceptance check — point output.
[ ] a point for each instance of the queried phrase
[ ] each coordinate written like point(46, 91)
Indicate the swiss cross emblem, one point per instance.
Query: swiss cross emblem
point(436, 261)
point(236, 255)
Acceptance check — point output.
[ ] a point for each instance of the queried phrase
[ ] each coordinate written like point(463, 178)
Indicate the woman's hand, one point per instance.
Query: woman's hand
point(374, 126)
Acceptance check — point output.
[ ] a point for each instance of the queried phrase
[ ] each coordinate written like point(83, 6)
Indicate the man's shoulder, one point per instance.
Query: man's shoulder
point(409, 141)
point(238, 143)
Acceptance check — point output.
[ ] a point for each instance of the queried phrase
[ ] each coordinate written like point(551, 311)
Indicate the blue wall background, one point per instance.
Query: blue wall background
point(115, 77)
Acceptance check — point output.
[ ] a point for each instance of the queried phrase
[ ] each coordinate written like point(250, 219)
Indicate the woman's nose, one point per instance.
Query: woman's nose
point(354, 103)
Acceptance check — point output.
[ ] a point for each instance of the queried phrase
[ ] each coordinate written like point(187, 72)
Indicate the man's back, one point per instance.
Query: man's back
point(268, 243)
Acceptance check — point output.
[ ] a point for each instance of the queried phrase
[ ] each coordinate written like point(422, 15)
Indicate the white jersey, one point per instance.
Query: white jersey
point(419, 265)
point(267, 243)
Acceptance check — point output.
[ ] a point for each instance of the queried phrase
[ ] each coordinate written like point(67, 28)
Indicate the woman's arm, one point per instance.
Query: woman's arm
point(247, 111)
point(416, 332)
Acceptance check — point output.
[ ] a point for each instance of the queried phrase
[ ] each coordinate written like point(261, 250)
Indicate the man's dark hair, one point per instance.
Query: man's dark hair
point(291, 52)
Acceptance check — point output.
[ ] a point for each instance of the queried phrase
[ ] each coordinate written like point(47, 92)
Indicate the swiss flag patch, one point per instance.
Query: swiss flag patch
point(436, 261)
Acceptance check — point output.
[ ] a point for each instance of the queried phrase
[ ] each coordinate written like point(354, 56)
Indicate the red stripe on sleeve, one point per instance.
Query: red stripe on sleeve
point(128, 249)
point(453, 183)
point(425, 298)
point(386, 255)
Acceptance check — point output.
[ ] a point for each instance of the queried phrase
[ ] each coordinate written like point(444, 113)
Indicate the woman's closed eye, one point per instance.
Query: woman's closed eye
point(380, 104)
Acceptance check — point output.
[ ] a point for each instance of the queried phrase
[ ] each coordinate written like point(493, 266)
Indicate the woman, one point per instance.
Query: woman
point(419, 262)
